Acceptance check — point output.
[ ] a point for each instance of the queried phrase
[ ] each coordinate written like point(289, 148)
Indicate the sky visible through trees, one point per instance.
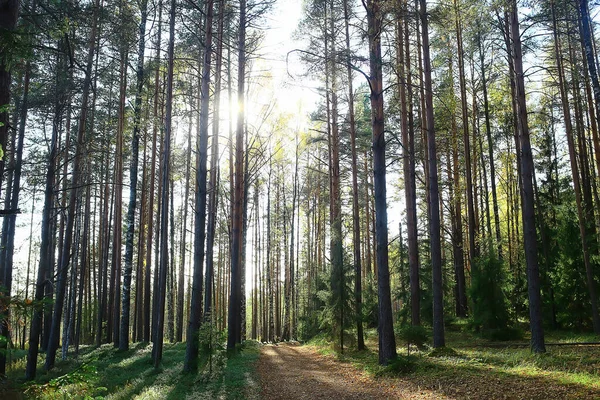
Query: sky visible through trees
point(212, 171)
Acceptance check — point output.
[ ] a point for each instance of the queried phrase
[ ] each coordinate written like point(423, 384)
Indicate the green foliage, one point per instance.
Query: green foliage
point(399, 260)
point(308, 326)
point(466, 368)
point(14, 46)
point(399, 366)
point(426, 286)
point(105, 372)
point(489, 305)
point(504, 334)
point(210, 337)
point(80, 374)
point(310, 323)
point(370, 305)
point(571, 298)
point(443, 352)
point(413, 335)
point(331, 305)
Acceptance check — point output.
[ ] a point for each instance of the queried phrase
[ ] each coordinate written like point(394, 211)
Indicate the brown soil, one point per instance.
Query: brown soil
point(291, 372)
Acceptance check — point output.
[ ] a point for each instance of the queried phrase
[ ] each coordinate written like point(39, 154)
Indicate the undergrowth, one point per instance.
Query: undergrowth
point(105, 373)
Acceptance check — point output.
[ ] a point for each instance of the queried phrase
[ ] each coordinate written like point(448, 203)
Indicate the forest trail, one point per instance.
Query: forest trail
point(294, 372)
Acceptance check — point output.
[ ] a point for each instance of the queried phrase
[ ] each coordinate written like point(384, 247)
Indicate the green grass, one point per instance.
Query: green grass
point(470, 360)
point(105, 373)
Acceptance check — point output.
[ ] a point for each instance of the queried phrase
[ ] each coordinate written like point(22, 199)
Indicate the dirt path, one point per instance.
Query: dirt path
point(291, 372)
point(297, 372)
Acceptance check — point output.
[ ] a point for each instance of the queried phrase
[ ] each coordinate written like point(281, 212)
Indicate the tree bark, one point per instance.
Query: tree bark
point(200, 220)
point(473, 245)
point(118, 189)
point(387, 341)
point(585, 31)
point(130, 219)
point(408, 163)
point(157, 349)
point(79, 148)
point(434, 203)
point(234, 323)
point(9, 14)
point(8, 234)
point(527, 171)
point(488, 131)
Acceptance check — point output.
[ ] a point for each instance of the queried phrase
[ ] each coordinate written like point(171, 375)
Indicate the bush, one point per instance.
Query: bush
point(504, 334)
point(416, 335)
point(443, 352)
point(400, 365)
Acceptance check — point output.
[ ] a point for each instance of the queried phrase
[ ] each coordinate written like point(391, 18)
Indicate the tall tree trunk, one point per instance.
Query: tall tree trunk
point(246, 190)
point(387, 341)
point(138, 324)
point(118, 189)
point(368, 263)
point(79, 148)
point(269, 272)
point(293, 265)
point(171, 270)
point(33, 202)
point(182, 257)
point(133, 172)
point(191, 357)
point(488, 131)
point(234, 323)
point(84, 261)
point(456, 220)
point(473, 245)
point(8, 234)
point(46, 239)
point(9, 13)
point(256, 266)
point(336, 245)
point(105, 235)
point(408, 163)
point(153, 173)
point(157, 349)
point(585, 32)
point(214, 167)
point(434, 203)
point(527, 171)
point(355, 206)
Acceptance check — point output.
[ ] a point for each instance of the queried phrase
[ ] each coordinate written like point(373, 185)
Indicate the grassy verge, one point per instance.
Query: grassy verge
point(467, 364)
point(105, 373)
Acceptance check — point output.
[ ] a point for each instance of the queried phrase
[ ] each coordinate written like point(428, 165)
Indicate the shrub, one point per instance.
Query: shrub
point(400, 365)
point(416, 335)
point(504, 334)
point(443, 352)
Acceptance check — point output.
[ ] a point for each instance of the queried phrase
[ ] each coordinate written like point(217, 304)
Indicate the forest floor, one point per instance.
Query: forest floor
point(106, 373)
point(474, 368)
point(289, 371)
point(471, 371)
